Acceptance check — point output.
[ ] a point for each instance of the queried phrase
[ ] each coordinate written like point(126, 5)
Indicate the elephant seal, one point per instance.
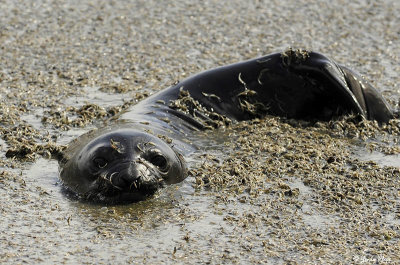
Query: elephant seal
point(121, 165)
point(143, 148)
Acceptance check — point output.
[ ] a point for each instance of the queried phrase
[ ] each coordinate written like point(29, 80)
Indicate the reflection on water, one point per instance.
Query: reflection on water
point(3, 147)
point(381, 159)
point(44, 173)
point(149, 227)
point(34, 119)
point(95, 96)
point(310, 215)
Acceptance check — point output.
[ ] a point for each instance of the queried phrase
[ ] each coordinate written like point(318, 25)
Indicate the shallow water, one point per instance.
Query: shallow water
point(378, 157)
point(145, 230)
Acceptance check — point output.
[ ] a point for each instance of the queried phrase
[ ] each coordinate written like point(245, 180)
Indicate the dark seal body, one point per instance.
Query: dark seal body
point(293, 84)
point(151, 136)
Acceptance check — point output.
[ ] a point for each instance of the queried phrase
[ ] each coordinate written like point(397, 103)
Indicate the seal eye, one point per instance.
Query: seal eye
point(100, 162)
point(159, 161)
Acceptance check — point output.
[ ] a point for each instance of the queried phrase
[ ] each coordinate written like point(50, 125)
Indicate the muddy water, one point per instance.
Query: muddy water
point(272, 191)
point(149, 230)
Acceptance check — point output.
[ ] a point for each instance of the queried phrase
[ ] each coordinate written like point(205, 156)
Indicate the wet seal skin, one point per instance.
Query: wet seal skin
point(142, 150)
point(122, 165)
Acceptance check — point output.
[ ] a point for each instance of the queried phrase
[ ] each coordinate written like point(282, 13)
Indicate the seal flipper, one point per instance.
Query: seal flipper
point(331, 78)
point(370, 99)
point(356, 94)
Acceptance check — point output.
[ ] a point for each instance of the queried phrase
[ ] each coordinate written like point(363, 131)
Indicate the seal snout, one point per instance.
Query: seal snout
point(132, 176)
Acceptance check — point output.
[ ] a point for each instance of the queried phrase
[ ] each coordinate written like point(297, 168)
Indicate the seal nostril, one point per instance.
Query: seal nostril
point(121, 180)
point(124, 177)
point(100, 162)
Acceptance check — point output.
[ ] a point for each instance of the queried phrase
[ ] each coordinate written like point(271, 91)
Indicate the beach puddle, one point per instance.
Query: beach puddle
point(94, 95)
point(379, 158)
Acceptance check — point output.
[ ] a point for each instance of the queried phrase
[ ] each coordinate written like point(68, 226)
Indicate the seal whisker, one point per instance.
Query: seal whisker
point(261, 74)
point(242, 82)
point(108, 180)
point(111, 176)
point(133, 184)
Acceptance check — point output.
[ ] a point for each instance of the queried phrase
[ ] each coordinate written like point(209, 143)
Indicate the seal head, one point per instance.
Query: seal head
point(124, 165)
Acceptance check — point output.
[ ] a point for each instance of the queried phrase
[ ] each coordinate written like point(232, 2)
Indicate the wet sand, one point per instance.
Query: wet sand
point(272, 191)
